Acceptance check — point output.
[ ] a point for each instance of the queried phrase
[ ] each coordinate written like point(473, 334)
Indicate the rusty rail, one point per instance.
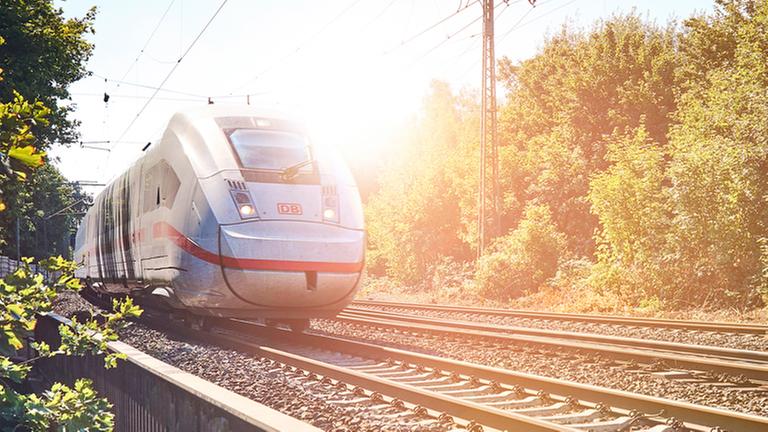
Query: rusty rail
point(724, 327)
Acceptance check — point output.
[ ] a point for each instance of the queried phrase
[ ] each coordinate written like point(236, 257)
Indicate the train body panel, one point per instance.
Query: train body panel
point(232, 213)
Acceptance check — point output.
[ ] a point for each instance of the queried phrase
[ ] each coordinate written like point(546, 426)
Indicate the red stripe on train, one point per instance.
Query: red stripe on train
point(164, 229)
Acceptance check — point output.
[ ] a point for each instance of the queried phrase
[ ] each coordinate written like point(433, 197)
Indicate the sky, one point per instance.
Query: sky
point(354, 70)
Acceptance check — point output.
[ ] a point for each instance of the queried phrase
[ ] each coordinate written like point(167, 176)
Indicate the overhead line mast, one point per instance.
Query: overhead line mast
point(488, 218)
point(489, 194)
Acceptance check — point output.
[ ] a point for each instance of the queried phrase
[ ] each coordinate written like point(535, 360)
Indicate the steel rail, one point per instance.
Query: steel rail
point(694, 416)
point(705, 350)
point(723, 327)
point(617, 352)
point(484, 415)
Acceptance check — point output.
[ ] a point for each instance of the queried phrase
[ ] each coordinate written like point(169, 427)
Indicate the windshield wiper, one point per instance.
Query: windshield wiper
point(292, 171)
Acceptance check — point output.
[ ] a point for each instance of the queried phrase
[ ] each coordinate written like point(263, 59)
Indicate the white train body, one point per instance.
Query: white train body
point(210, 218)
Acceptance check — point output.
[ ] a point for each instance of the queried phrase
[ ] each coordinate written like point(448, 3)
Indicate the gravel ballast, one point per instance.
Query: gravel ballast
point(320, 404)
point(551, 363)
point(314, 402)
point(753, 342)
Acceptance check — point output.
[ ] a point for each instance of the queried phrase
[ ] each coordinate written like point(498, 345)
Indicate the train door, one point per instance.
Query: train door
point(144, 234)
point(136, 233)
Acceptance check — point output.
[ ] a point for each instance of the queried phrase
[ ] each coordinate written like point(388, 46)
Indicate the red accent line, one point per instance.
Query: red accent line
point(164, 229)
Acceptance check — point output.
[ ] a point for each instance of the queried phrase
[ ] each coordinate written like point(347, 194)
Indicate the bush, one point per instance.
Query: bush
point(520, 262)
point(25, 294)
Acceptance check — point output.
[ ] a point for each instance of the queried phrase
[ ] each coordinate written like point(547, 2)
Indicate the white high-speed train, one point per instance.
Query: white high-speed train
point(233, 213)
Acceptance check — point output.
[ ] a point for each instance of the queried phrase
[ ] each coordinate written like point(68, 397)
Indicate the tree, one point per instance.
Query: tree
point(631, 202)
point(43, 54)
point(413, 219)
point(687, 222)
point(719, 156)
point(17, 154)
point(565, 103)
point(43, 232)
point(26, 294)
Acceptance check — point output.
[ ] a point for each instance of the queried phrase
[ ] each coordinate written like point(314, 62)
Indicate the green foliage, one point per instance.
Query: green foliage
point(34, 201)
point(523, 260)
point(41, 53)
point(685, 224)
point(563, 107)
point(719, 158)
point(77, 339)
point(78, 408)
point(30, 189)
point(17, 153)
point(632, 206)
point(24, 296)
point(566, 102)
point(44, 53)
point(647, 145)
point(412, 221)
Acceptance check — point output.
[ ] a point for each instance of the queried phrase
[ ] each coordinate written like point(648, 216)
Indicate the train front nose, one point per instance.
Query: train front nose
point(290, 263)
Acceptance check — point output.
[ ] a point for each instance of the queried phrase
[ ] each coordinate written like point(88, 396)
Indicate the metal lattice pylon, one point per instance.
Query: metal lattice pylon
point(488, 200)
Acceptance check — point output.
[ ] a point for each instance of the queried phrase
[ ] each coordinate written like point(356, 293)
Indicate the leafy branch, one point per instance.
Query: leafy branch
point(26, 294)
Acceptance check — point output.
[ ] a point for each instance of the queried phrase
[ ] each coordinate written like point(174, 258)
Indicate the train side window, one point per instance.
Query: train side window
point(161, 184)
point(151, 183)
point(169, 186)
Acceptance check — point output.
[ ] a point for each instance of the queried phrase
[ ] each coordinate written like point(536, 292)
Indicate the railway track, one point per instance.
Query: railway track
point(472, 396)
point(684, 361)
point(456, 394)
point(719, 327)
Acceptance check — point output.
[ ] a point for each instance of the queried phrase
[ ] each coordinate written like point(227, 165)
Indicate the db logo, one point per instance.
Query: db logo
point(289, 208)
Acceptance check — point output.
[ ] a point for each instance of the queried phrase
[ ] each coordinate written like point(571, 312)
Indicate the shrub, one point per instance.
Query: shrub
point(24, 295)
point(521, 261)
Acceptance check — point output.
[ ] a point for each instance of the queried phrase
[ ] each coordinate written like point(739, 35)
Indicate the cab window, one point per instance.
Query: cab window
point(269, 149)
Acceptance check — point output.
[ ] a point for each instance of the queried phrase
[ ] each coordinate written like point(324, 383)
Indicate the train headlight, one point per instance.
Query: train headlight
point(330, 204)
point(246, 210)
point(244, 204)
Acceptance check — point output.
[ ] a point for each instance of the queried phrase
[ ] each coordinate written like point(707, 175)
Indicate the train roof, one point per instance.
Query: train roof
point(199, 133)
point(214, 111)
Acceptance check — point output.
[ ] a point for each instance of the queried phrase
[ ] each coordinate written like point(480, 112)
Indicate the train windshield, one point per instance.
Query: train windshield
point(268, 149)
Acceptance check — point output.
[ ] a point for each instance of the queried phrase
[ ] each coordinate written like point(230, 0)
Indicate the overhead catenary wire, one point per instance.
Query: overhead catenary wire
point(147, 86)
point(473, 43)
point(149, 39)
point(378, 15)
point(165, 90)
point(422, 32)
point(298, 48)
point(127, 96)
point(173, 69)
point(520, 23)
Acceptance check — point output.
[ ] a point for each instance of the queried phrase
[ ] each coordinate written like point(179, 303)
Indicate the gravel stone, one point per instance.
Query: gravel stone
point(753, 342)
point(577, 367)
point(290, 392)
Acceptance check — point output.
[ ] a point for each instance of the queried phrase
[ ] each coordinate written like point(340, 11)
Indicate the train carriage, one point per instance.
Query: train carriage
point(232, 213)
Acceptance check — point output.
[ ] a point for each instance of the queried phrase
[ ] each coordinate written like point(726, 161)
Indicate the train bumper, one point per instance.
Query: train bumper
point(291, 265)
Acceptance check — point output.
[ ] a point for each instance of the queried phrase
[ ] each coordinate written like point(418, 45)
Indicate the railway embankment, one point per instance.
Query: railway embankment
point(322, 405)
point(706, 333)
point(150, 395)
point(653, 378)
point(375, 370)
